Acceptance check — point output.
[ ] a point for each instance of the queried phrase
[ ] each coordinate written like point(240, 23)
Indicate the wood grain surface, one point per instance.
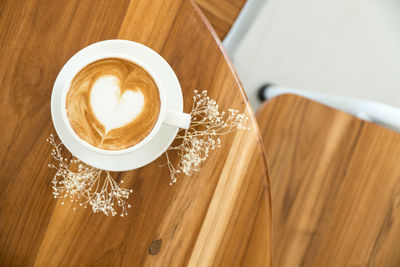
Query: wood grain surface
point(335, 183)
point(221, 13)
point(218, 217)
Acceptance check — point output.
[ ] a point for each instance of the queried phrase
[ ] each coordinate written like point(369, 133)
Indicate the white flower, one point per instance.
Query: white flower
point(86, 185)
point(208, 123)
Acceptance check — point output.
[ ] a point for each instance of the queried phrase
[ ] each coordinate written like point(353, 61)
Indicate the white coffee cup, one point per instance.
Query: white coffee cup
point(147, 61)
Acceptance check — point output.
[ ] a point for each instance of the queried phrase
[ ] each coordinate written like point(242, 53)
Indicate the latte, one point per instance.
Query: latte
point(113, 104)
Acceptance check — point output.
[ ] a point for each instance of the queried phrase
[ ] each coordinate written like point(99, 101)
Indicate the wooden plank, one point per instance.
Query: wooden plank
point(37, 39)
point(335, 186)
point(221, 13)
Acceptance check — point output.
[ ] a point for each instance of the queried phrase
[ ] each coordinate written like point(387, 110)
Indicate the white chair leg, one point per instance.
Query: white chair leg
point(243, 22)
point(376, 112)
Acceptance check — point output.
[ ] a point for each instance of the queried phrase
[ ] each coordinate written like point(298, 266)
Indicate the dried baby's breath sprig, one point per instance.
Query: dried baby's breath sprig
point(203, 136)
point(85, 185)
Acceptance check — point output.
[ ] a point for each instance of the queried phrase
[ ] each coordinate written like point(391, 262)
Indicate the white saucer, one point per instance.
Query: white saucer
point(143, 155)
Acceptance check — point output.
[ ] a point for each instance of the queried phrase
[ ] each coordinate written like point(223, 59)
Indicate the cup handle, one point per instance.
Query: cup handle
point(178, 119)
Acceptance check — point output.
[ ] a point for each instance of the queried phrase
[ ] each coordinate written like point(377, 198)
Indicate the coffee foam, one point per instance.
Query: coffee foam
point(113, 104)
point(111, 108)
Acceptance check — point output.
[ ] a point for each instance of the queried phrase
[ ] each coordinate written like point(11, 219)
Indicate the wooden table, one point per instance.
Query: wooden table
point(218, 217)
point(335, 183)
point(221, 13)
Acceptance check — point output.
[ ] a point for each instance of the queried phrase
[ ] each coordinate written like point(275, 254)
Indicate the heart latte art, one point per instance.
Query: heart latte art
point(113, 104)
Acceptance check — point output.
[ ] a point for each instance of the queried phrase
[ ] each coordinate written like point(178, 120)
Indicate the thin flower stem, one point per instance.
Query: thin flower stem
point(203, 136)
point(86, 185)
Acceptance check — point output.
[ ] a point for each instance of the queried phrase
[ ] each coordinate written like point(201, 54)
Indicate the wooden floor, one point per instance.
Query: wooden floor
point(335, 186)
point(221, 13)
